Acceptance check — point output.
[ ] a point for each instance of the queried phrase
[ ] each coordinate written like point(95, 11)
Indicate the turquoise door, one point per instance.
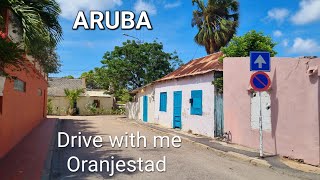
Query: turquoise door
point(145, 108)
point(177, 108)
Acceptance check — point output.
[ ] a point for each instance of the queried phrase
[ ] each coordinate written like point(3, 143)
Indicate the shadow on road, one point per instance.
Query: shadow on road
point(59, 169)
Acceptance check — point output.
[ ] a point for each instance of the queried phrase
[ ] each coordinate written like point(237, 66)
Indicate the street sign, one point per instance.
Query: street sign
point(260, 61)
point(260, 81)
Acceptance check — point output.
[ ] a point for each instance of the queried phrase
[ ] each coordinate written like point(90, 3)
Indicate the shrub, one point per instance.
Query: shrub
point(49, 107)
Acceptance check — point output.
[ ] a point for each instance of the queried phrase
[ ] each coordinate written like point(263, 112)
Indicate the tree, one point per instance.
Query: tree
point(96, 79)
point(134, 65)
point(69, 77)
point(73, 96)
point(10, 54)
point(240, 46)
point(38, 25)
point(216, 22)
point(130, 66)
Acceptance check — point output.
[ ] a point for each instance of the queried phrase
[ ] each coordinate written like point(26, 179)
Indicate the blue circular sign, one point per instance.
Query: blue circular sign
point(260, 81)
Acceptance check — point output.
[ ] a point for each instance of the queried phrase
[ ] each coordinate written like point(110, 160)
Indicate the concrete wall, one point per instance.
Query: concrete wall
point(133, 110)
point(294, 107)
point(149, 92)
point(198, 124)
point(61, 104)
point(105, 103)
point(20, 112)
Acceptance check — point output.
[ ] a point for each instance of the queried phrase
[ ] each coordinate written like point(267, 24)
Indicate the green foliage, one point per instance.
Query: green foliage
point(10, 54)
point(119, 111)
point(38, 25)
point(73, 96)
point(48, 59)
point(69, 77)
point(218, 83)
point(217, 22)
point(134, 65)
point(49, 107)
point(1, 21)
point(240, 46)
point(123, 96)
point(93, 110)
point(96, 79)
point(220, 59)
point(131, 66)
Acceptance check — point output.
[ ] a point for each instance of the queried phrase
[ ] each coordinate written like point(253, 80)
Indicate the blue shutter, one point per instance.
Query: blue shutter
point(160, 105)
point(196, 106)
point(163, 102)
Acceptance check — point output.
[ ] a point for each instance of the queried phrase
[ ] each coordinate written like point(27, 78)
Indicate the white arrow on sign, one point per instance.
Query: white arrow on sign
point(260, 61)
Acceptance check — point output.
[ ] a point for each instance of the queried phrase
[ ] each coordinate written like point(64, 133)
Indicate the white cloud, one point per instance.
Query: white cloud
point(277, 33)
point(140, 5)
point(285, 42)
point(278, 14)
point(309, 12)
point(70, 8)
point(305, 46)
point(172, 5)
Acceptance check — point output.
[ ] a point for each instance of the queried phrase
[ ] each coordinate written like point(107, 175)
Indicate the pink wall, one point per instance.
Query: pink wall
point(295, 107)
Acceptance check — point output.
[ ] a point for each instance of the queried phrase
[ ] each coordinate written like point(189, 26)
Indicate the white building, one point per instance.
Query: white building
point(183, 99)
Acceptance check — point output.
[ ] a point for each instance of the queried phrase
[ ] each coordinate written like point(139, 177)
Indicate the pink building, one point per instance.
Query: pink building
point(291, 108)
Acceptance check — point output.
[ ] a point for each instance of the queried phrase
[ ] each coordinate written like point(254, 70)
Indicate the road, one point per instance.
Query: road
point(187, 162)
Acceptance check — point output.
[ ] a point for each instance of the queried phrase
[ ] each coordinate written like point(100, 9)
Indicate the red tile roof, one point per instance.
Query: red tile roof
point(196, 67)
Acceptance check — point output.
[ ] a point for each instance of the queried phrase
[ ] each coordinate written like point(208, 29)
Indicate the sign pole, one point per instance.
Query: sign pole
point(260, 81)
point(260, 127)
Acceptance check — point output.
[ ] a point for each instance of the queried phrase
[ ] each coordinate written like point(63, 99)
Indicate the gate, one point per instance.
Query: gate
point(218, 115)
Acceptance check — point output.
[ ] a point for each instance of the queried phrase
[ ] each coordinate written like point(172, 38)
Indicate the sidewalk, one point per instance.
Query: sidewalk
point(26, 160)
point(239, 152)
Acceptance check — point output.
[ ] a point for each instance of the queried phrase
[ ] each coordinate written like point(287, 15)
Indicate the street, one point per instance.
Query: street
point(187, 162)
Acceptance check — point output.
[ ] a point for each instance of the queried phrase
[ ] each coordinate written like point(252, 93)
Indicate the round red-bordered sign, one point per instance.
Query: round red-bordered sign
point(260, 81)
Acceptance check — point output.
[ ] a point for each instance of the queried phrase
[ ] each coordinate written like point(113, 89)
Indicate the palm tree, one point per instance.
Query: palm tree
point(38, 25)
point(217, 23)
point(38, 20)
point(73, 96)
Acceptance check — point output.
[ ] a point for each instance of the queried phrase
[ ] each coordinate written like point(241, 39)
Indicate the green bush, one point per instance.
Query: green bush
point(218, 83)
point(49, 107)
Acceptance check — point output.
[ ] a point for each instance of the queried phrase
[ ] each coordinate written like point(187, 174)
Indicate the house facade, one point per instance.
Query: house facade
point(59, 103)
point(183, 99)
point(143, 106)
point(290, 109)
point(22, 98)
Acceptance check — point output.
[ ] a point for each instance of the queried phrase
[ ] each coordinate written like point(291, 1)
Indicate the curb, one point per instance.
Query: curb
point(242, 157)
point(46, 172)
point(260, 162)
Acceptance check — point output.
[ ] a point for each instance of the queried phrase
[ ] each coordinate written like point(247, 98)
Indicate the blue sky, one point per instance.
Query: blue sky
point(293, 24)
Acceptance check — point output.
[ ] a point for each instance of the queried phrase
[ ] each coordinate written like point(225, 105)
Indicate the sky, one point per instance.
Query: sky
point(293, 24)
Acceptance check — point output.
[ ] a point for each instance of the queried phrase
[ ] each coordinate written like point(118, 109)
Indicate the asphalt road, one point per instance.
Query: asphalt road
point(187, 162)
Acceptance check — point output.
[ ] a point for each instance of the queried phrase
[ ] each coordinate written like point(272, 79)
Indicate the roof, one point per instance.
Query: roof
point(197, 67)
point(58, 85)
point(140, 88)
point(97, 94)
